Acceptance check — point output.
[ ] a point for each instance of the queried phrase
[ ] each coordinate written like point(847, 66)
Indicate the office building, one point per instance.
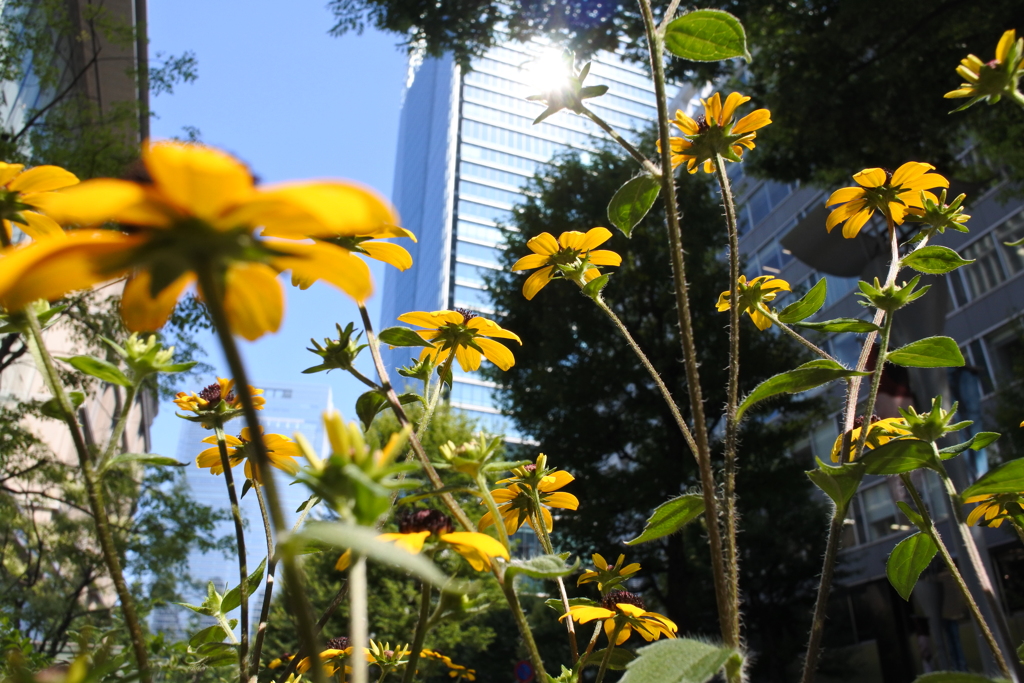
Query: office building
point(467, 146)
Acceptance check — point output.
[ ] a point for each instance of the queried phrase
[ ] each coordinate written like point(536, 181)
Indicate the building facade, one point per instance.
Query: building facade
point(467, 147)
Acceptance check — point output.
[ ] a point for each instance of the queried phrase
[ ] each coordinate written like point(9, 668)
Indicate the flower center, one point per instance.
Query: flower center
point(212, 394)
point(564, 257)
point(434, 521)
point(702, 124)
point(615, 597)
point(467, 314)
point(339, 643)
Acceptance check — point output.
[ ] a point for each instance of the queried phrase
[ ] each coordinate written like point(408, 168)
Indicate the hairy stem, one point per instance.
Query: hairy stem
point(243, 571)
point(590, 649)
point(44, 363)
point(606, 660)
point(119, 426)
point(835, 532)
point(358, 628)
point(646, 163)
point(810, 346)
point(268, 590)
point(545, 541)
point(703, 452)
point(420, 634)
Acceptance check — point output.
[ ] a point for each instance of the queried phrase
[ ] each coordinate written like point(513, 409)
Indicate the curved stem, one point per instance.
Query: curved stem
point(420, 634)
point(835, 532)
point(44, 363)
point(732, 396)
point(703, 452)
point(268, 589)
point(492, 507)
point(590, 649)
point(428, 412)
point(810, 346)
point(545, 541)
point(608, 653)
point(876, 380)
point(210, 288)
point(243, 571)
point(119, 426)
point(947, 559)
point(358, 628)
point(646, 163)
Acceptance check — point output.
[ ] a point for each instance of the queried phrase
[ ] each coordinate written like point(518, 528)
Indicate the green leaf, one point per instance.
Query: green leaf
point(632, 201)
point(952, 677)
point(233, 598)
point(841, 325)
point(151, 459)
point(914, 517)
point(364, 541)
point(808, 305)
point(541, 567)
point(707, 35)
point(620, 658)
point(670, 517)
point(178, 367)
point(677, 660)
point(897, 457)
point(594, 287)
point(402, 336)
point(556, 603)
point(909, 558)
point(1007, 478)
point(52, 407)
point(368, 405)
point(975, 443)
point(805, 377)
point(931, 352)
point(212, 634)
point(934, 259)
point(839, 483)
point(100, 369)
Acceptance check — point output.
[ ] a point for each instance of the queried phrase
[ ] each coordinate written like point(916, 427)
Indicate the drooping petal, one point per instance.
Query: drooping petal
point(253, 300)
point(322, 209)
point(477, 548)
point(411, 542)
point(469, 358)
point(210, 458)
point(856, 222)
point(755, 120)
point(594, 238)
point(560, 499)
point(43, 179)
point(555, 481)
point(976, 514)
point(844, 212)
point(603, 257)
point(870, 177)
point(530, 261)
point(926, 182)
point(344, 561)
point(327, 262)
point(586, 613)
point(49, 269)
point(8, 171)
point(489, 328)
point(432, 319)
point(40, 227)
point(762, 321)
point(198, 180)
point(91, 203)
point(544, 243)
point(536, 282)
point(496, 353)
point(392, 254)
point(844, 194)
point(609, 629)
point(144, 313)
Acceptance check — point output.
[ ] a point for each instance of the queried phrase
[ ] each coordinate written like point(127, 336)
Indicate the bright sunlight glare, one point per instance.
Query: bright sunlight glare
point(547, 72)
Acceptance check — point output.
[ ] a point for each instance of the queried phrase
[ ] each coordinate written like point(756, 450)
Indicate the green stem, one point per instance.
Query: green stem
point(44, 363)
point(492, 507)
point(606, 660)
point(268, 590)
point(243, 571)
point(223, 621)
point(703, 452)
point(522, 625)
point(435, 398)
point(814, 348)
point(947, 559)
point(358, 628)
point(590, 649)
point(545, 541)
point(876, 380)
point(835, 532)
point(420, 634)
point(213, 295)
point(1017, 97)
point(732, 397)
point(119, 426)
point(646, 163)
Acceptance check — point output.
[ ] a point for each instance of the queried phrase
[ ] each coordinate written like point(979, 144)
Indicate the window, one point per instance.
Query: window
point(879, 512)
point(976, 356)
point(470, 297)
point(1012, 230)
point(477, 252)
point(467, 170)
point(484, 233)
point(987, 272)
point(472, 394)
point(488, 213)
point(1006, 351)
point(472, 275)
point(468, 189)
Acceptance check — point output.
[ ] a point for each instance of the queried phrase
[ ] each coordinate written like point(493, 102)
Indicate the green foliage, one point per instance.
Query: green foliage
point(682, 660)
point(934, 259)
point(839, 483)
point(632, 202)
point(1007, 478)
point(909, 558)
point(706, 36)
point(931, 352)
point(808, 376)
point(897, 457)
point(807, 305)
point(670, 517)
point(602, 419)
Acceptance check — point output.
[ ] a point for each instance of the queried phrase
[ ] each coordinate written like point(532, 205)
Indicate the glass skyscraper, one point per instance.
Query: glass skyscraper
point(466, 148)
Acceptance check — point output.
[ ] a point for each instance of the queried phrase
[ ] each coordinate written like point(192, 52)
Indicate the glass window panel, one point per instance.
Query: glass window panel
point(1005, 349)
point(980, 362)
point(879, 512)
point(478, 252)
point(1012, 230)
point(468, 170)
point(474, 275)
point(770, 259)
point(472, 394)
point(846, 348)
point(759, 205)
point(527, 166)
point(987, 272)
point(489, 213)
point(484, 233)
point(470, 297)
point(468, 189)
point(957, 286)
point(778, 192)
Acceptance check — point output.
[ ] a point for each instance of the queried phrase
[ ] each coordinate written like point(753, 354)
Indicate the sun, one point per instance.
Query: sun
point(548, 71)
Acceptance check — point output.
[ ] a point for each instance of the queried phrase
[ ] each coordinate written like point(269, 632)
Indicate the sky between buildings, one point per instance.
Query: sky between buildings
point(293, 102)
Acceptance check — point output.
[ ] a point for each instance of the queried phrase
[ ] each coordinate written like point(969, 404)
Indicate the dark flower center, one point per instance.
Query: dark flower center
point(702, 124)
point(212, 395)
point(339, 643)
point(467, 314)
point(615, 597)
point(859, 420)
point(434, 521)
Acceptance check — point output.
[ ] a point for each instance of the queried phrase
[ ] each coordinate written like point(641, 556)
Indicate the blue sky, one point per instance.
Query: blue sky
point(293, 102)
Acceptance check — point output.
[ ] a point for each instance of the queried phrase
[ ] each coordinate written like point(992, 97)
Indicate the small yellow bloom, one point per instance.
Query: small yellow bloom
point(332, 658)
point(894, 194)
point(880, 433)
point(607, 575)
point(992, 507)
point(624, 611)
point(715, 133)
point(572, 257)
point(515, 501)
point(281, 450)
point(752, 294)
point(21, 192)
point(456, 671)
point(211, 396)
point(990, 81)
point(197, 209)
point(465, 334)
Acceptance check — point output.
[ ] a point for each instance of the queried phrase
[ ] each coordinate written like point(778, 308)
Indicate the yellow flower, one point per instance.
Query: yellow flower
point(464, 333)
point(990, 81)
point(210, 397)
point(624, 611)
point(197, 210)
point(416, 527)
point(572, 257)
point(281, 450)
point(607, 576)
point(992, 506)
point(715, 133)
point(20, 193)
point(332, 658)
point(880, 433)
point(516, 501)
point(457, 671)
point(752, 294)
point(894, 194)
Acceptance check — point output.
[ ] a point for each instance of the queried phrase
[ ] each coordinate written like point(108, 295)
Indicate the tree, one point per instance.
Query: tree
point(812, 62)
point(579, 391)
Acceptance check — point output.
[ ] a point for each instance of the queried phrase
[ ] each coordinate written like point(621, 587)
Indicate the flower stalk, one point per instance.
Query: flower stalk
point(835, 532)
point(358, 627)
point(606, 660)
point(420, 634)
point(243, 571)
point(545, 541)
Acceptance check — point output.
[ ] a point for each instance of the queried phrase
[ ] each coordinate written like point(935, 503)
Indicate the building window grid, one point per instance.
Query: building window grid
point(996, 263)
point(499, 84)
point(543, 132)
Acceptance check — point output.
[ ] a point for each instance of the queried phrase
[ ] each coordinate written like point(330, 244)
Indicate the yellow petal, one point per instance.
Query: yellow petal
point(210, 458)
point(389, 253)
point(344, 561)
point(469, 359)
point(52, 268)
point(530, 261)
point(856, 222)
point(762, 321)
point(323, 209)
point(198, 180)
point(870, 177)
point(555, 481)
point(39, 227)
point(976, 514)
point(496, 353)
point(544, 243)
point(91, 203)
point(572, 239)
point(909, 171)
point(733, 101)
point(755, 120)
point(844, 194)
point(561, 499)
point(684, 123)
point(253, 300)
point(327, 262)
point(713, 108)
point(412, 543)
point(1005, 43)
point(844, 212)
point(584, 613)
point(8, 171)
point(432, 319)
point(43, 179)
point(144, 313)
point(536, 282)
point(603, 257)
point(599, 561)
point(489, 328)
